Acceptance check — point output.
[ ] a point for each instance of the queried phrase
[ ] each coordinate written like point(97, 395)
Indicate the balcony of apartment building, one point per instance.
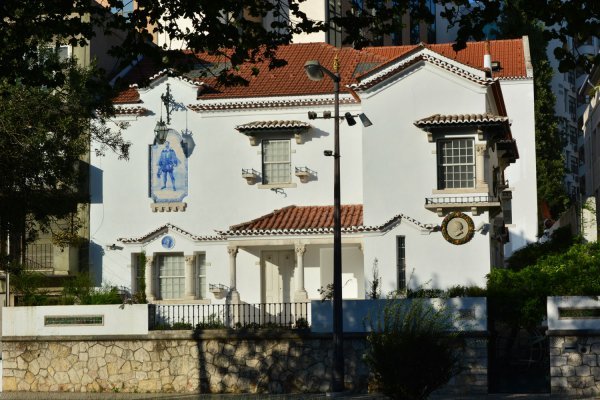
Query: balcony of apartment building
point(44, 257)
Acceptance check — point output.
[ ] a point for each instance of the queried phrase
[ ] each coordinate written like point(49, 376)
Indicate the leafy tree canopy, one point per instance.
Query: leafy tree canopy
point(579, 19)
point(232, 27)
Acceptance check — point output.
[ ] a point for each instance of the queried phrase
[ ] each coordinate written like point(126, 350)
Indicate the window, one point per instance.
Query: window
point(276, 163)
point(572, 107)
point(400, 262)
point(507, 211)
point(456, 164)
point(201, 276)
point(171, 276)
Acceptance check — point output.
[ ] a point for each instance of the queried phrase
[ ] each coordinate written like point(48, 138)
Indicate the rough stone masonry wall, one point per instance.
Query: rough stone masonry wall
point(575, 364)
point(215, 362)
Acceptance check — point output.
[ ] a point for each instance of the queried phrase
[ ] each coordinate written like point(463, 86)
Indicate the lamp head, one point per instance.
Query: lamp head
point(314, 71)
point(365, 120)
point(160, 132)
point(350, 119)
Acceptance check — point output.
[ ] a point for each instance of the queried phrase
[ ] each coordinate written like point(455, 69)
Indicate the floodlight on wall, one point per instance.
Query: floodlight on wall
point(350, 119)
point(365, 120)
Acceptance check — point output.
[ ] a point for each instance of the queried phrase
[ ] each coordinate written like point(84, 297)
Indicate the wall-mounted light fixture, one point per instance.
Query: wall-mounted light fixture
point(162, 130)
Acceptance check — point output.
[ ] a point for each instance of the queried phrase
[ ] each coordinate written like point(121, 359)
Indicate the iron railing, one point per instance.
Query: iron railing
point(233, 316)
point(459, 200)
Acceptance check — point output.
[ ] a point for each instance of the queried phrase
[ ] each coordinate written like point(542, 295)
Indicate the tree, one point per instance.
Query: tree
point(44, 133)
point(515, 21)
point(579, 19)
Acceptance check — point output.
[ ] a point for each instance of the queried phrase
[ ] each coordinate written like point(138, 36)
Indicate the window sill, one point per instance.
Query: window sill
point(277, 185)
point(481, 189)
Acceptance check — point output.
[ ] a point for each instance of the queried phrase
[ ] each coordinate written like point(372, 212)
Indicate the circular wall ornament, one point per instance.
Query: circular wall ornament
point(168, 242)
point(458, 228)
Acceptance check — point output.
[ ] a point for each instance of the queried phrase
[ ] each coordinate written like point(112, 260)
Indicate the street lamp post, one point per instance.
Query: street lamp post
point(315, 72)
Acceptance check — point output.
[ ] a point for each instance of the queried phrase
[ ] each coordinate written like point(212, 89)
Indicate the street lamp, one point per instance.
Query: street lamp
point(315, 72)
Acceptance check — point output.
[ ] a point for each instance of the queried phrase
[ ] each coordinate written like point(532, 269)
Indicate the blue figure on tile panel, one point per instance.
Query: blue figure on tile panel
point(168, 173)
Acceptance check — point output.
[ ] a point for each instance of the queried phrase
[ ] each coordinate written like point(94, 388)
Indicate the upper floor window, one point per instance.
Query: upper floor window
point(276, 161)
point(456, 163)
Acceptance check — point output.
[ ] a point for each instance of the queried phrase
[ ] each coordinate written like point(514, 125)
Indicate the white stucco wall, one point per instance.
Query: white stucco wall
point(128, 319)
point(400, 171)
point(389, 167)
point(218, 196)
point(518, 97)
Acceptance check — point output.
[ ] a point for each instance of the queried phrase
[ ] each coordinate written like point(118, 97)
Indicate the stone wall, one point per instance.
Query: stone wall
point(213, 362)
point(574, 363)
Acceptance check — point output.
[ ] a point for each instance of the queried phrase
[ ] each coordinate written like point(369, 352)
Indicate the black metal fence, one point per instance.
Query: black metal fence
point(216, 316)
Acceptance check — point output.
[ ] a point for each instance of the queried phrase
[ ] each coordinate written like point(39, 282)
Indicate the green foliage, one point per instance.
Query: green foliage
point(559, 242)
point(516, 20)
point(412, 349)
point(140, 295)
point(80, 290)
point(326, 292)
point(302, 323)
point(519, 297)
point(181, 326)
point(45, 132)
point(453, 291)
point(27, 286)
point(212, 322)
point(375, 283)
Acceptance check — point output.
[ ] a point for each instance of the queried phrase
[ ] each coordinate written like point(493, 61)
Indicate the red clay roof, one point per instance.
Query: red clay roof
point(458, 119)
point(508, 52)
point(291, 80)
point(129, 95)
point(303, 217)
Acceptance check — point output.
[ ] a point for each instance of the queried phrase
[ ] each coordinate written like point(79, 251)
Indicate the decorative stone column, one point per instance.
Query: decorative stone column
point(480, 151)
point(149, 277)
point(301, 295)
point(234, 295)
point(189, 277)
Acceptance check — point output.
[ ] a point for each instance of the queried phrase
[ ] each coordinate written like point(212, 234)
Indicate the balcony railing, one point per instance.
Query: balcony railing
point(233, 316)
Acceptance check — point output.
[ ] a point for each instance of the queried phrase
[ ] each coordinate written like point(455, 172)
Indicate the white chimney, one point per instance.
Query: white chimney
point(487, 58)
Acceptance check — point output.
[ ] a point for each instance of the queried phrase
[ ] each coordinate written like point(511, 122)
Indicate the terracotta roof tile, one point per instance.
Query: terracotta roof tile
point(460, 119)
point(129, 95)
point(508, 52)
point(267, 125)
point(290, 80)
point(303, 217)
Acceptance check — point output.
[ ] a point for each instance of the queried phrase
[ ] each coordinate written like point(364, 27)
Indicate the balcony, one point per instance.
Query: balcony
point(475, 204)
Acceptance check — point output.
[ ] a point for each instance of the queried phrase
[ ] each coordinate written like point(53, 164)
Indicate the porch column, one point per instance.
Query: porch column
point(480, 166)
point(233, 293)
point(189, 277)
point(148, 276)
point(301, 294)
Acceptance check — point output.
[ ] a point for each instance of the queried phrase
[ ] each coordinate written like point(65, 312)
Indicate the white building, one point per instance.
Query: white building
point(246, 206)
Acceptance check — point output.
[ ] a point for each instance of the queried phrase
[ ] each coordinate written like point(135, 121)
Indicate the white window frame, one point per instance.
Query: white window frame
point(443, 164)
point(201, 286)
point(163, 279)
point(265, 163)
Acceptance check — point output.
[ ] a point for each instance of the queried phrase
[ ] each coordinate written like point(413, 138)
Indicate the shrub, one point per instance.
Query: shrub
point(212, 322)
point(519, 297)
point(181, 326)
point(412, 349)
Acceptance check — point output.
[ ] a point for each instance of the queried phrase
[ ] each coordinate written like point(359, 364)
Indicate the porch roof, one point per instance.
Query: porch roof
point(313, 220)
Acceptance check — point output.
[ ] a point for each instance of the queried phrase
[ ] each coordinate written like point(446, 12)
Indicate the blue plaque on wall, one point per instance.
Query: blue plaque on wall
point(168, 170)
point(168, 242)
